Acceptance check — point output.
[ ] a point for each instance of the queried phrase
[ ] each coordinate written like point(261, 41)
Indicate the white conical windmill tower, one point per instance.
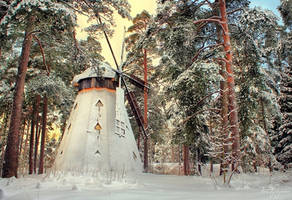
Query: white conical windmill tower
point(98, 135)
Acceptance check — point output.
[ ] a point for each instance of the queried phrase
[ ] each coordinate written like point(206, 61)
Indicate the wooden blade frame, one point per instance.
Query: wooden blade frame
point(135, 108)
point(135, 81)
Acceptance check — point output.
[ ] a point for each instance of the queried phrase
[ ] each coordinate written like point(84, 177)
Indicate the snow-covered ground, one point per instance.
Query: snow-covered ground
point(148, 187)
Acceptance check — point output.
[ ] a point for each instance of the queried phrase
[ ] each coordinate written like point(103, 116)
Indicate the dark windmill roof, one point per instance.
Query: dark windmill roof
point(103, 70)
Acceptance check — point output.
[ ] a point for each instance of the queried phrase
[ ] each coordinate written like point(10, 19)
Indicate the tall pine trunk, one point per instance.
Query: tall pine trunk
point(223, 99)
point(186, 160)
point(146, 154)
point(43, 140)
point(233, 117)
point(199, 161)
point(26, 139)
point(32, 133)
point(145, 113)
point(267, 134)
point(3, 140)
point(224, 118)
point(11, 153)
point(2, 155)
point(21, 137)
point(36, 144)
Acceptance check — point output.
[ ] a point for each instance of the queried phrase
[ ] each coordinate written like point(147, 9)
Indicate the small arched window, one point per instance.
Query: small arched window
point(99, 103)
point(97, 127)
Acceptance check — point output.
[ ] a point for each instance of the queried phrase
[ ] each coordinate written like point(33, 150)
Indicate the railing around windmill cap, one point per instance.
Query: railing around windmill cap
point(97, 83)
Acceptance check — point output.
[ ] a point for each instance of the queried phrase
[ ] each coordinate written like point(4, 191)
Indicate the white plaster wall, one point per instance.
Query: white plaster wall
point(78, 149)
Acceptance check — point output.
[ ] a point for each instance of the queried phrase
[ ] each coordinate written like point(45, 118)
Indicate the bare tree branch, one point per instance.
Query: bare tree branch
point(233, 11)
point(43, 54)
point(203, 48)
point(211, 19)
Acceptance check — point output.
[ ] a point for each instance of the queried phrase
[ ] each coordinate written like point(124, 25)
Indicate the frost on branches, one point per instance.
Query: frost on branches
point(283, 149)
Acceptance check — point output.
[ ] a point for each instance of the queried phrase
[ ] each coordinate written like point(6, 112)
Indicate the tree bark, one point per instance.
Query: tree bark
point(211, 166)
point(224, 116)
point(264, 115)
point(224, 100)
point(26, 139)
point(146, 154)
point(267, 133)
point(3, 141)
point(199, 161)
point(32, 133)
point(145, 113)
point(11, 153)
point(186, 160)
point(221, 170)
point(21, 137)
point(43, 140)
point(233, 117)
point(36, 145)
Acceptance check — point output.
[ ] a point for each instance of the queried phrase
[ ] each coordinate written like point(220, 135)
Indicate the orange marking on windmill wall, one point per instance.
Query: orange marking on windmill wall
point(98, 89)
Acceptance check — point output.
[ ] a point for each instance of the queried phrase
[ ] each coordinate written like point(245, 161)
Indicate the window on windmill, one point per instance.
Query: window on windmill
point(99, 103)
point(97, 127)
point(87, 83)
point(120, 128)
point(123, 128)
point(134, 156)
point(118, 123)
point(97, 152)
point(69, 127)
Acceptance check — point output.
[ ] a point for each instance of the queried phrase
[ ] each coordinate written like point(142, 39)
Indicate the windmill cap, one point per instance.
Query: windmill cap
point(102, 70)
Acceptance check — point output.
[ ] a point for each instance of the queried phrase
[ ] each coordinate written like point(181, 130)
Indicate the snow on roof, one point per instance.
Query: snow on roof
point(102, 70)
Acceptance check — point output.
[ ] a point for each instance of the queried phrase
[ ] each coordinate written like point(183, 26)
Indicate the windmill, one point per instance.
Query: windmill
point(98, 136)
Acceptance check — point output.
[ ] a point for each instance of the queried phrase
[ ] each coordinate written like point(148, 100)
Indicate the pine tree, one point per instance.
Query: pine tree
point(19, 10)
point(52, 46)
point(185, 46)
point(140, 23)
point(257, 82)
point(285, 9)
point(283, 146)
point(255, 68)
point(11, 154)
point(32, 133)
point(186, 86)
point(141, 65)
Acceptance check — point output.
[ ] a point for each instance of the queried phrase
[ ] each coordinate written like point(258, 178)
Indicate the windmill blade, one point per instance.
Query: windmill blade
point(137, 81)
point(121, 75)
point(133, 79)
point(135, 108)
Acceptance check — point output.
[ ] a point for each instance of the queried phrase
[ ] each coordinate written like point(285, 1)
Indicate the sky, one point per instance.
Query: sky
point(137, 6)
point(267, 4)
